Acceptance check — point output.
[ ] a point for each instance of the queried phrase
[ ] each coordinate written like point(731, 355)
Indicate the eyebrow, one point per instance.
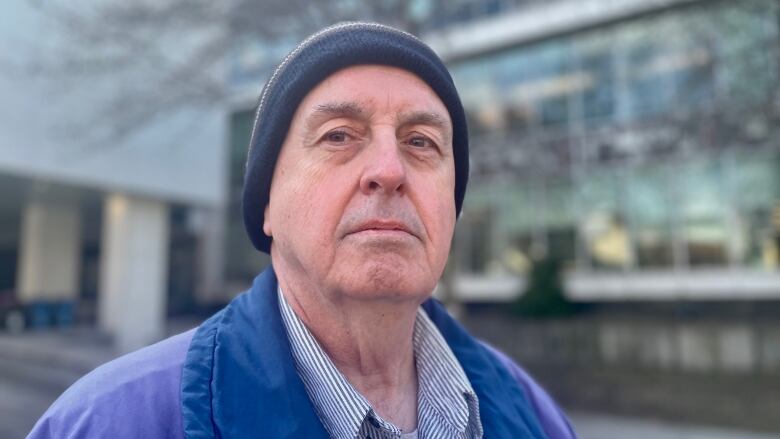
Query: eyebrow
point(424, 118)
point(329, 110)
point(353, 110)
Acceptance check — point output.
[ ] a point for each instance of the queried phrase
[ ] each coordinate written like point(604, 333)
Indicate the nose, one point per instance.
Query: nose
point(385, 170)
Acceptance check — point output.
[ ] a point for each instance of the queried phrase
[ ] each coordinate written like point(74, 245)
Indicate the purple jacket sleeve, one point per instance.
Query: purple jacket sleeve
point(552, 418)
point(135, 396)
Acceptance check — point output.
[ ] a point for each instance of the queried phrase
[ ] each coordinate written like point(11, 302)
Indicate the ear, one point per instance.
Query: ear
point(267, 221)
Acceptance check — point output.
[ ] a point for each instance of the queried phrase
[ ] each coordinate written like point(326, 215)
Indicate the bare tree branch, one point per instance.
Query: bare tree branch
point(167, 54)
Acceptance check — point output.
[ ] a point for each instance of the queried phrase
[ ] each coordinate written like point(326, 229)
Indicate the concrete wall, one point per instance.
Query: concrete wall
point(657, 285)
point(178, 156)
point(696, 346)
point(720, 372)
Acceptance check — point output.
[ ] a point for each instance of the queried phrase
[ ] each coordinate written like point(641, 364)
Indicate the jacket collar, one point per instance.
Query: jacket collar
point(239, 378)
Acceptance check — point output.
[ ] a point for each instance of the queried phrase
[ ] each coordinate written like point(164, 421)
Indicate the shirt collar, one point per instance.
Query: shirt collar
point(442, 382)
point(340, 407)
point(443, 385)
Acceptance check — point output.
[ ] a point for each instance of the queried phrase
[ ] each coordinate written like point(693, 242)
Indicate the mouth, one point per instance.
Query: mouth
point(384, 228)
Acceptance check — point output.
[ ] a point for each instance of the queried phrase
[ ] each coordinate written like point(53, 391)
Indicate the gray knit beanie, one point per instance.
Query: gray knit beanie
point(316, 58)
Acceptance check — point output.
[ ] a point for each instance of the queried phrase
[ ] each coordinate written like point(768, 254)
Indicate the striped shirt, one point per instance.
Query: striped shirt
point(447, 406)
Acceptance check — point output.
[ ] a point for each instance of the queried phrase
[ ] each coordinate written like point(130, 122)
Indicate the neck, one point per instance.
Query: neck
point(369, 341)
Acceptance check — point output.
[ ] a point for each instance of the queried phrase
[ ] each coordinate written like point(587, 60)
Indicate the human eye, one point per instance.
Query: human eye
point(420, 142)
point(336, 136)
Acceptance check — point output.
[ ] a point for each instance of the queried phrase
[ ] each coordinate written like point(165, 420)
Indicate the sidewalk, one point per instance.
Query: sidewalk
point(600, 426)
point(35, 367)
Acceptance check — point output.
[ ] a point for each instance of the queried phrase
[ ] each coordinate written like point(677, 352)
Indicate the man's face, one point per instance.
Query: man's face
point(362, 200)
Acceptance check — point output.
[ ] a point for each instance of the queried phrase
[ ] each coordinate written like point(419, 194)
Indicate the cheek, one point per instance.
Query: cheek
point(447, 226)
point(309, 206)
point(440, 212)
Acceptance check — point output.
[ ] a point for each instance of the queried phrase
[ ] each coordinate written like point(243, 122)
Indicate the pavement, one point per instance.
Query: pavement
point(604, 426)
point(35, 367)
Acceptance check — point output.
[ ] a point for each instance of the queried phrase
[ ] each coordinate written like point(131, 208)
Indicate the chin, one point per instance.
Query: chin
point(376, 280)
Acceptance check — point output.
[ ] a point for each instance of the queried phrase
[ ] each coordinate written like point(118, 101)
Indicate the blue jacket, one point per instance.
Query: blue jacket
point(234, 377)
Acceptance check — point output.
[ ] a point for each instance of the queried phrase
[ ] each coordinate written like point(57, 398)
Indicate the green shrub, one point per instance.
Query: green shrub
point(544, 293)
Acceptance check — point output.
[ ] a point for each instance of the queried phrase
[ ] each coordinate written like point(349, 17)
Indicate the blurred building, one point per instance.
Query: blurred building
point(121, 230)
point(635, 140)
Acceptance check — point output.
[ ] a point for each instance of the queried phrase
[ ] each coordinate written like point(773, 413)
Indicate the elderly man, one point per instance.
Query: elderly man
point(356, 173)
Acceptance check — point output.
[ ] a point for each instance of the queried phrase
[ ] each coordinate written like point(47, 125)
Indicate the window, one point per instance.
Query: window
point(649, 208)
point(757, 185)
point(473, 243)
point(602, 224)
point(762, 229)
point(703, 195)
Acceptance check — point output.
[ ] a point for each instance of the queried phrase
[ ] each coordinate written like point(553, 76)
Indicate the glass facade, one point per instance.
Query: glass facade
point(714, 212)
point(678, 60)
point(643, 145)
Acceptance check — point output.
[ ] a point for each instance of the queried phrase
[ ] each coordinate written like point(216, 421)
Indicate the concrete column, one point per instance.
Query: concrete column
point(134, 270)
point(49, 252)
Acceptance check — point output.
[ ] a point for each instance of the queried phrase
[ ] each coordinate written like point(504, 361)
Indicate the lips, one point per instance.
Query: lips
point(383, 226)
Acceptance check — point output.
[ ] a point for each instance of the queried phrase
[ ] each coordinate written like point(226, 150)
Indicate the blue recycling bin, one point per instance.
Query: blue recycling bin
point(40, 315)
point(64, 314)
